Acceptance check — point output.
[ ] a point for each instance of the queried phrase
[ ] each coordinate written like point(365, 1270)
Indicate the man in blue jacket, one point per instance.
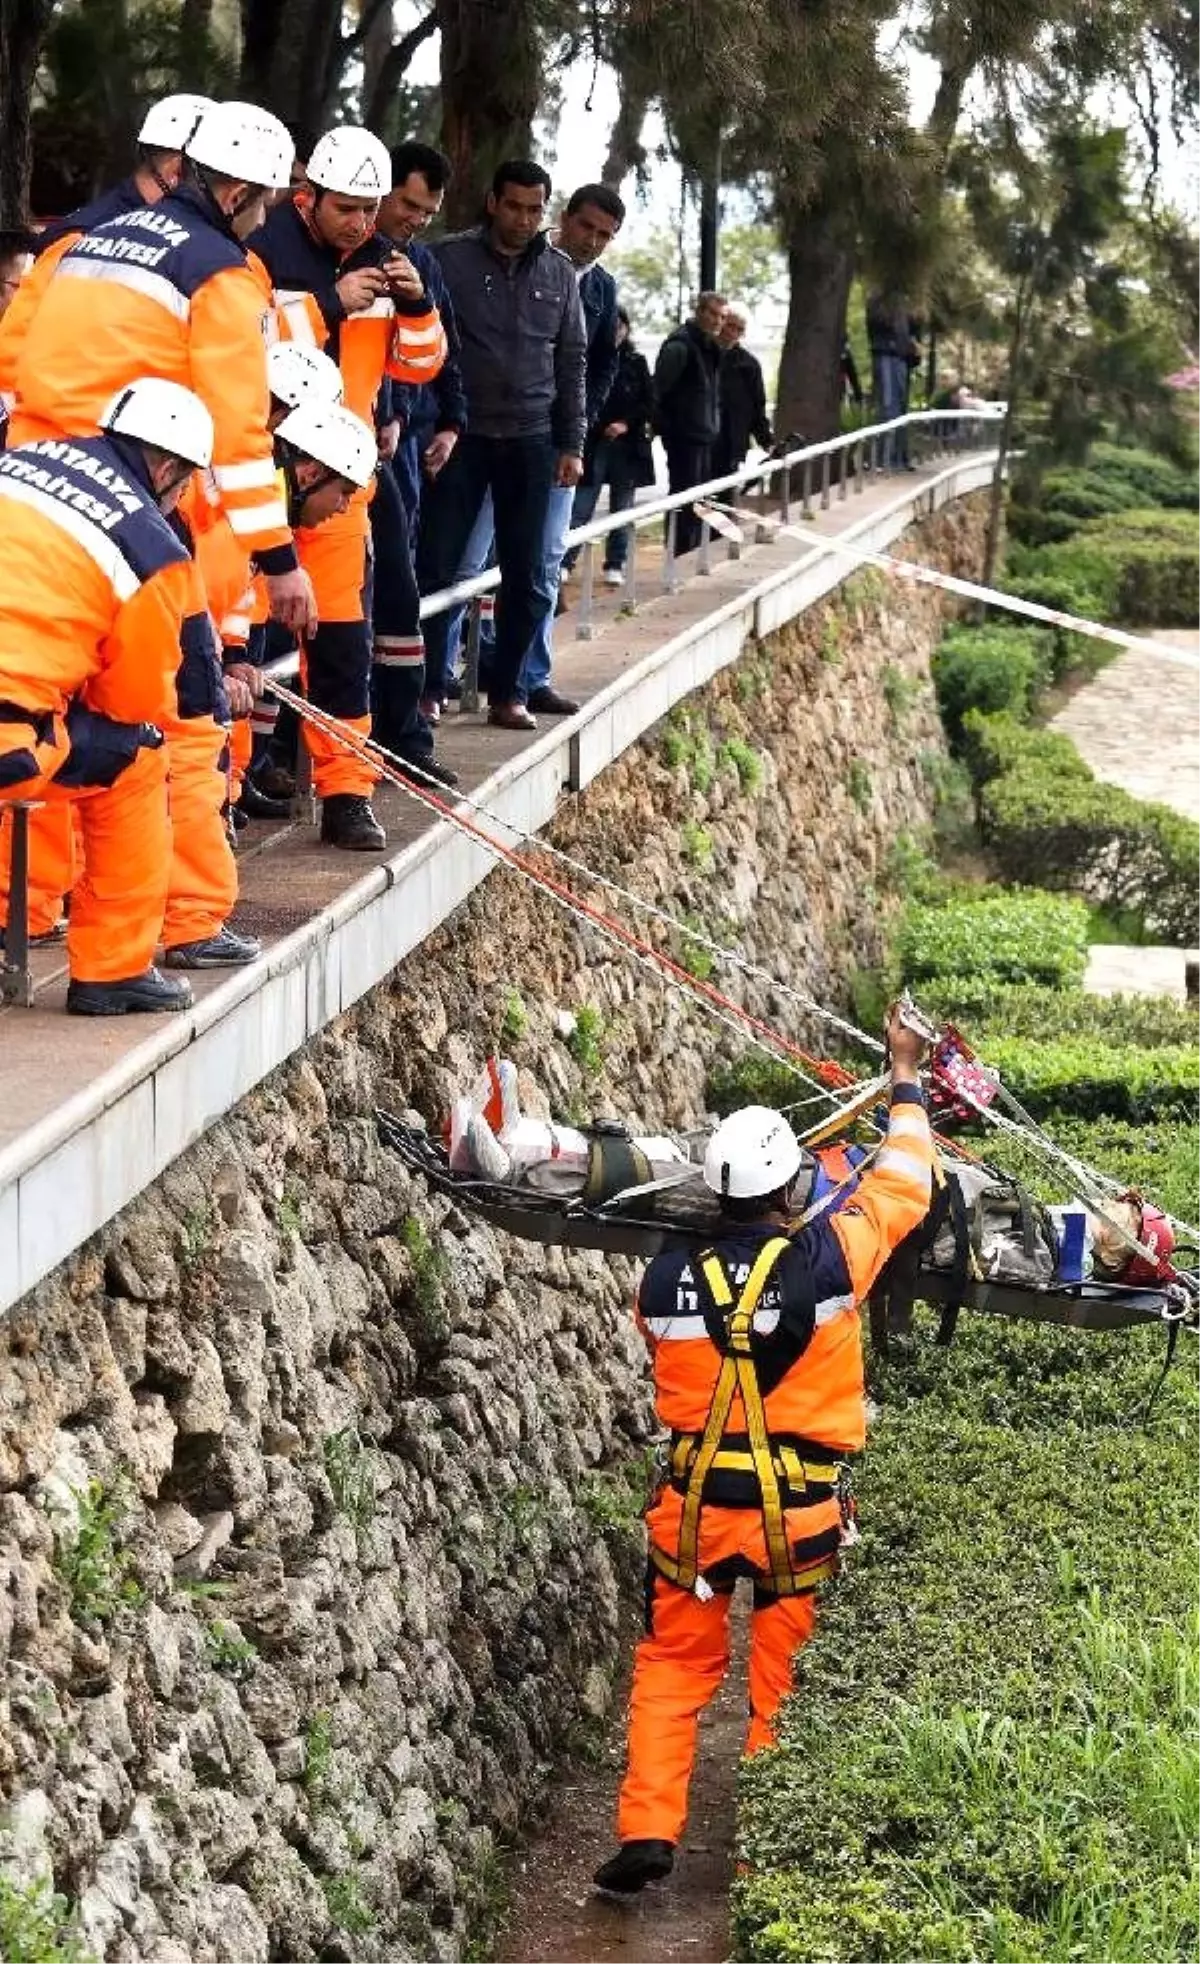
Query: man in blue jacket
point(419, 427)
point(594, 215)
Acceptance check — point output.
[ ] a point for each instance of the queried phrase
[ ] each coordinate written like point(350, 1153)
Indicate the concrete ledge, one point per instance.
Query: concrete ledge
point(68, 1175)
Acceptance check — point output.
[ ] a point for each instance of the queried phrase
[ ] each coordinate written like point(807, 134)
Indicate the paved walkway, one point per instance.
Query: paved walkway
point(1138, 725)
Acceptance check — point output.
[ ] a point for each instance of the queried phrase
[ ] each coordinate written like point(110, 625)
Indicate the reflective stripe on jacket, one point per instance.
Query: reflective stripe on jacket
point(163, 290)
point(806, 1342)
point(94, 583)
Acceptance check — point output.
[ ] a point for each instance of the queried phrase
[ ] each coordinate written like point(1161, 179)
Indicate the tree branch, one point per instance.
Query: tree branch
point(396, 63)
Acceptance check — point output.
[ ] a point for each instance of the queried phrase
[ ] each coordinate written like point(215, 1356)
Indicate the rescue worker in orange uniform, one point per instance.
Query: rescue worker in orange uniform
point(758, 1372)
point(170, 290)
point(165, 129)
point(95, 632)
point(328, 266)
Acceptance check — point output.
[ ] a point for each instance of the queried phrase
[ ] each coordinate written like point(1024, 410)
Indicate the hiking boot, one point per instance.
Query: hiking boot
point(224, 949)
point(635, 1864)
point(423, 769)
point(149, 992)
point(274, 781)
point(349, 822)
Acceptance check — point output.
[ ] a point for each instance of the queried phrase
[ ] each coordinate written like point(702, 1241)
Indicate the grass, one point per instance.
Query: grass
point(738, 755)
point(97, 1571)
point(514, 1017)
point(36, 1926)
point(350, 1471)
point(318, 1755)
point(228, 1651)
point(859, 784)
point(585, 1040)
point(696, 845)
point(428, 1267)
point(344, 1901)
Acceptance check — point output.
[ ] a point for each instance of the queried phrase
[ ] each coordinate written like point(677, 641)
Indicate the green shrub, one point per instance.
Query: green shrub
point(982, 1007)
point(1153, 480)
point(996, 668)
point(752, 1079)
point(1094, 1080)
point(1046, 818)
point(1159, 561)
point(1159, 1159)
point(37, 1926)
point(1021, 936)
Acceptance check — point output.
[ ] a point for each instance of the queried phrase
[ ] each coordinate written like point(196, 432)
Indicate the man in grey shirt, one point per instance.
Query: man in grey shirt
point(523, 358)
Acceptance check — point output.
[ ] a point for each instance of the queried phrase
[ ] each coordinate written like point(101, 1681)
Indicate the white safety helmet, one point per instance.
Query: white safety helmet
point(332, 436)
point(353, 162)
point(168, 124)
point(243, 141)
point(297, 373)
point(164, 414)
point(752, 1153)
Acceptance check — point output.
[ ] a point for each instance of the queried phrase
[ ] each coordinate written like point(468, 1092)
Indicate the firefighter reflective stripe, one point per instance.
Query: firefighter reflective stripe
point(251, 476)
point(399, 650)
point(250, 520)
point(737, 1374)
point(94, 540)
point(151, 286)
point(299, 318)
point(418, 347)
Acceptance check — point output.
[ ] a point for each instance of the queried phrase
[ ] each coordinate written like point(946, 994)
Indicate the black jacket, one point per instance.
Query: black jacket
point(523, 345)
point(744, 416)
point(687, 387)
point(630, 400)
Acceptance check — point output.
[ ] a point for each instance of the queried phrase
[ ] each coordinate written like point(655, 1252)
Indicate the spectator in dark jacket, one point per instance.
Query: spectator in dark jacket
point(593, 216)
point(687, 413)
point(744, 418)
point(892, 333)
point(434, 417)
point(523, 353)
point(620, 451)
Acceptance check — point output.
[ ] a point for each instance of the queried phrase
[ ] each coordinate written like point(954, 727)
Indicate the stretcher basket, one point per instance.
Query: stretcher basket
point(625, 1225)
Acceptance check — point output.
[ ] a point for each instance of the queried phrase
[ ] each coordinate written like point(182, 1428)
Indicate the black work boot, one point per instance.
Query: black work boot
point(635, 1864)
point(349, 822)
point(254, 803)
point(422, 769)
point(149, 992)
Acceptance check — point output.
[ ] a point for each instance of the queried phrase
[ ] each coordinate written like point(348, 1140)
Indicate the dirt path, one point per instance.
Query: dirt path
point(556, 1918)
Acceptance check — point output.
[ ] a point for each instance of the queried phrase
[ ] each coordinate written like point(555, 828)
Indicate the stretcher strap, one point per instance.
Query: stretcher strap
point(737, 1374)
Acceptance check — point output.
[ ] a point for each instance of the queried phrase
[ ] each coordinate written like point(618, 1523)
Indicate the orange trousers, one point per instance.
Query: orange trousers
point(681, 1661)
point(335, 666)
point(203, 886)
point(118, 899)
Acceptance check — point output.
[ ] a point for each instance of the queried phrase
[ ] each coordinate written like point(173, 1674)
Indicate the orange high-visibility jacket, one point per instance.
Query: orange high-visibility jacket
point(94, 584)
point(165, 290)
point(806, 1343)
point(401, 339)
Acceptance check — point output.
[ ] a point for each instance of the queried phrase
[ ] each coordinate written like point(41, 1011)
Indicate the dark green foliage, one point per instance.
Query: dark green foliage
point(1090, 1079)
point(752, 1079)
point(981, 1006)
point(1135, 565)
point(995, 744)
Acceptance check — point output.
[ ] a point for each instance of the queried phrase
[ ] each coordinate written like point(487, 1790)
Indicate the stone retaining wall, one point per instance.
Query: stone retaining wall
point(313, 1529)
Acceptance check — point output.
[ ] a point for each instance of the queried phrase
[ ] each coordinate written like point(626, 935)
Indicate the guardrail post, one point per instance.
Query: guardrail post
point(470, 674)
point(631, 599)
point(16, 983)
point(669, 578)
point(587, 593)
point(806, 510)
point(860, 460)
point(785, 499)
point(763, 532)
point(702, 563)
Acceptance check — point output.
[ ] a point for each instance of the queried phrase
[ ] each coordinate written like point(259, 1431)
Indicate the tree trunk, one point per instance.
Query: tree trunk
point(820, 251)
point(23, 24)
point(291, 61)
point(491, 68)
point(626, 151)
point(378, 93)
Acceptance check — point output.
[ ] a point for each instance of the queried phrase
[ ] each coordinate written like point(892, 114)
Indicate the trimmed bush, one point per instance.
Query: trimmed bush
point(1046, 818)
point(753, 1078)
point(1022, 936)
point(1154, 480)
point(1092, 1080)
point(999, 668)
point(983, 1008)
point(1132, 566)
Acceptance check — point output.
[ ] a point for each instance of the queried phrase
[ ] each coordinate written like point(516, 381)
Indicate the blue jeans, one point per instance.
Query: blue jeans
point(622, 494)
point(890, 388)
point(477, 554)
point(519, 473)
point(539, 655)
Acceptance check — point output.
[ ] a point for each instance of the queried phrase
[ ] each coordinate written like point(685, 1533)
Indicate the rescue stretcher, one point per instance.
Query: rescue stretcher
point(639, 1222)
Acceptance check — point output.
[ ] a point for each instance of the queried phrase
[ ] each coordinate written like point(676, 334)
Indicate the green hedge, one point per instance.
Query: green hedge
point(991, 1755)
point(1159, 1159)
point(1139, 566)
point(984, 1008)
point(1087, 1079)
point(1022, 936)
point(1152, 480)
point(996, 668)
point(1046, 818)
point(1053, 507)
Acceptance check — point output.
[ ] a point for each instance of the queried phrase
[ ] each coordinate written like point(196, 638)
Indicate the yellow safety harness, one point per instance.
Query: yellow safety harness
point(738, 1374)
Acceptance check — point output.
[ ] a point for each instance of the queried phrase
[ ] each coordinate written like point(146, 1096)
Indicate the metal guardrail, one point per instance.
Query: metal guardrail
point(932, 433)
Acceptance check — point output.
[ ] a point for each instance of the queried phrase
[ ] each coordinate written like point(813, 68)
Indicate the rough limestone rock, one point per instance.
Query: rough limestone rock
point(310, 1557)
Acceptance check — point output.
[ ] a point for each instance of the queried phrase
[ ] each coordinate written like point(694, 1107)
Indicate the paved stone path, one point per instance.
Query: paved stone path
point(1138, 725)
